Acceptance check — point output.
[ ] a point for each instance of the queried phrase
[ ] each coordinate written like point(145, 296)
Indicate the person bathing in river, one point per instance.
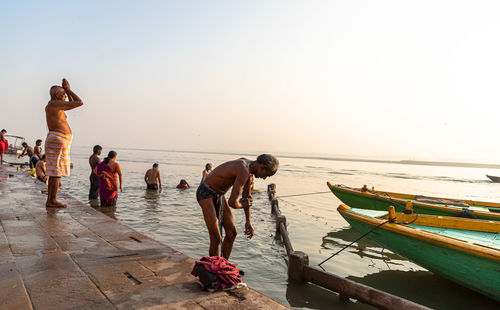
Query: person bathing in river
point(40, 170)
point(58, 141)
point(107, 170)
point(208, 169)
point(183, 184)
point(152, 178)
point(210, 195)
point(94, 160)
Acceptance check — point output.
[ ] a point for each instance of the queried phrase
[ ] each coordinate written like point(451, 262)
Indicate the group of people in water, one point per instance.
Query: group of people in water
point(106, 176)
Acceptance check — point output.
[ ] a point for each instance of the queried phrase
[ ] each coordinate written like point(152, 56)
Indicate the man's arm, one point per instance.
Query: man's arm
point(146, 177)
point(246, 188)
point(240, 181)
point(72, 97)
point(159, 179)
point(22, 153)
point(64, 105)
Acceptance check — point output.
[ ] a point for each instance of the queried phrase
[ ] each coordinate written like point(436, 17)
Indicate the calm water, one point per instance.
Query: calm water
point(315, 226)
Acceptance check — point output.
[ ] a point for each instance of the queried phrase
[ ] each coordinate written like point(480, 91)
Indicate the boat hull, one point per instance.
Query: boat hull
point(357, 199)
point(494, 178)
point(478, 273)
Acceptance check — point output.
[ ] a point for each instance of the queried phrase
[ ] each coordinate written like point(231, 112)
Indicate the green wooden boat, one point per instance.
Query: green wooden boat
point(379, 200)
point(465, 251)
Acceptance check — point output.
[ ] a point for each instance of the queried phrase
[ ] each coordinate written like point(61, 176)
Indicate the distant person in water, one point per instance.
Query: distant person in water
point(37, 153)
point(107, 171)
point(210, 195)
point(364, 188)
point(94, 160)
point(208, 169)
point(152, 178)
point(59, 137)
point(183, 184)
point(4, 144)
point(40, 170)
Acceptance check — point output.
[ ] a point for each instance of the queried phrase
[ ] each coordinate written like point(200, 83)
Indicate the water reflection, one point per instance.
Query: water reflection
point(109, 210)
point(364, 248)
point(152, 198)
point(314, 297)
point(416, 285)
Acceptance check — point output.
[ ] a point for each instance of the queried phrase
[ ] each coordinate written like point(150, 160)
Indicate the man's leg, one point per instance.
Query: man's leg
point(53, 186)
point(229, 229)
point(94, 187)
point(208, 208)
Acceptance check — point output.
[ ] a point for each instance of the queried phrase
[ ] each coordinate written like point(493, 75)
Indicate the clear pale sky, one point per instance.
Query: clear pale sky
point(394, 79)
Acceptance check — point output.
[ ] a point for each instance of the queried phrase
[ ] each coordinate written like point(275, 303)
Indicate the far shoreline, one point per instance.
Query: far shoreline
point(322, 157)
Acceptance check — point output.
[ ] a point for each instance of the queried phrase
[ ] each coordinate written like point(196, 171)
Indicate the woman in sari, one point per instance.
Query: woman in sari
point(108, 185)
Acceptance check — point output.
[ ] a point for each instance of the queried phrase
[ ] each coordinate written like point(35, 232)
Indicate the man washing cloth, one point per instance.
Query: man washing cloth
point(210, 195)
point(58, 142)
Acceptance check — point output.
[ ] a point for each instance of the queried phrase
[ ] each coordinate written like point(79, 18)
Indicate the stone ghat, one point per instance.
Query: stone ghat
point(79, 258)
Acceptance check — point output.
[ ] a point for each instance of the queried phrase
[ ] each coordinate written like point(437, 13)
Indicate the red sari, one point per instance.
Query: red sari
point(108, 182)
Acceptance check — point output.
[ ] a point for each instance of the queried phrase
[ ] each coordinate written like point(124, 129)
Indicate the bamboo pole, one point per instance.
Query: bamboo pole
point(358, 291)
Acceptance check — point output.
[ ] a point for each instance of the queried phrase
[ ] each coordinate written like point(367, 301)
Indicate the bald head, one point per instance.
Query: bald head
point(57, 93)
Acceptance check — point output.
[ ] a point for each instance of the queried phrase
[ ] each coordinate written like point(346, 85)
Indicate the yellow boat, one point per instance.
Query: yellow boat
point(466, 251)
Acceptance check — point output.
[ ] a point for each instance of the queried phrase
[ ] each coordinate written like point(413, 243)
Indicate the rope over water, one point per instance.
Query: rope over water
point(294, 195)
point(352, 243)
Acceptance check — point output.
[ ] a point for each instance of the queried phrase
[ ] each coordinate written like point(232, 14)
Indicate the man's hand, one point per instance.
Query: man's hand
point(248, 230)
point(65, 85)
point(246, 202)
point(121, 188)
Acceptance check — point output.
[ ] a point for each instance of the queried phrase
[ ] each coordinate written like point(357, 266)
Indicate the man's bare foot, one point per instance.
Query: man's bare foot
point(56, 204)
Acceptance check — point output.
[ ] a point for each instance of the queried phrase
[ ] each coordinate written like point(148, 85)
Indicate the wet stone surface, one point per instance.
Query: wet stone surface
point(79, 258)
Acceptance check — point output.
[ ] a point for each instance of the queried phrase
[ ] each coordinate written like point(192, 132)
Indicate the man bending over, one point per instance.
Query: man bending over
point(58, 142)
point(210, 195)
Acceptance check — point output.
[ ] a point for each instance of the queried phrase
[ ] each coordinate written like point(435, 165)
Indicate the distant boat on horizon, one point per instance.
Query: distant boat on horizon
point(494, 178)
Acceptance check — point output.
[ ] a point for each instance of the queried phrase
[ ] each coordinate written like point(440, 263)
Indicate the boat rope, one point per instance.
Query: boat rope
point(390, 199)
point(364, 235)
point(294, 195)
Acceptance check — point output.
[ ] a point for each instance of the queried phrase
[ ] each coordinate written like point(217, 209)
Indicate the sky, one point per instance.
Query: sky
point(379, 79)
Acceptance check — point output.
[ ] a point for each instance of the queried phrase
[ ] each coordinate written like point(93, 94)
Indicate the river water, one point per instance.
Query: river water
point(316, 228)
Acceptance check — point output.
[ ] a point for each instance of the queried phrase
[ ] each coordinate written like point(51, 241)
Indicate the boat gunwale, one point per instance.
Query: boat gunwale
point(370, 194)
point(446, 241)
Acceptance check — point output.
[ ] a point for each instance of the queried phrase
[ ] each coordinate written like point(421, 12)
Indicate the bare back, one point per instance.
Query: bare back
point(38, 151)
point(152, 176)
point(56, 118)
point(94, 160)
point(224, 176)
point(40, 168)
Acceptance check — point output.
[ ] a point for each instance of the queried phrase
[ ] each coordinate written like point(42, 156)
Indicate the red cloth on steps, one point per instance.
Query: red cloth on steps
point(227, 273)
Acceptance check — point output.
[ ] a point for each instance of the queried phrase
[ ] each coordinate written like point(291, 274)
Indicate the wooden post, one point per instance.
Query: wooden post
point(296, 263)
point(409, 207)
point(275, 207)
point(271, 191)
point(392, 214)
point(280, 219)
